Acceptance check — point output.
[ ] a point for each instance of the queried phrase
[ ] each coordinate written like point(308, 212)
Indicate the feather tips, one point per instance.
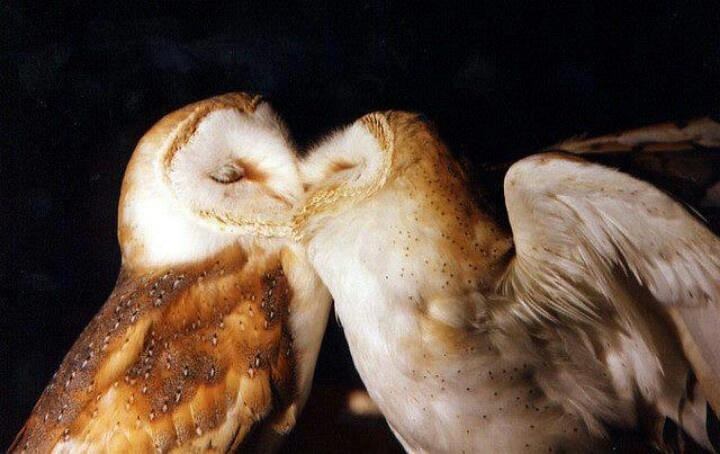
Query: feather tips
point(589, 225)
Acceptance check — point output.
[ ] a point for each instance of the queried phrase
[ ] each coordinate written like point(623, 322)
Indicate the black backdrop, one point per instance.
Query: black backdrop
point(82, 81)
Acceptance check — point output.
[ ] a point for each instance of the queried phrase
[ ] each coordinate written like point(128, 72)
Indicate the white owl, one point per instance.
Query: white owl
point(215, 323)
point(601, 302)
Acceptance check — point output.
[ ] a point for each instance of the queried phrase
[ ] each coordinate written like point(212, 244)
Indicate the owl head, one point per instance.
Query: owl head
point(210, 174)
point(379, 153)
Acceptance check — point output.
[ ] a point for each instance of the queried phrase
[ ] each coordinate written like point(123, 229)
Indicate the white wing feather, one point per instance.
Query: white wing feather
point(577, 225)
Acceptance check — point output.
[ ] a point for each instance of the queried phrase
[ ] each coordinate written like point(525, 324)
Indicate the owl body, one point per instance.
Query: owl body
point(434, 397)
point(465, 343)
point(409, 340)
point(209, 339)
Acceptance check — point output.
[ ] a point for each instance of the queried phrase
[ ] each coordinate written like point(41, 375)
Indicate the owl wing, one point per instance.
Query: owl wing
point(578, 227)
point(680, 157)
point(663, 137)
point(184, 360)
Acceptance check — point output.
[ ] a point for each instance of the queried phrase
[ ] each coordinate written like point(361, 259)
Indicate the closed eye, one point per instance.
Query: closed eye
point(339, 166)
point(228, 173)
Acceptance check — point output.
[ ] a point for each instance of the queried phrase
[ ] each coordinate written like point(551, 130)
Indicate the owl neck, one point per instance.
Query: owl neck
point(414, 255)
point(152, 234)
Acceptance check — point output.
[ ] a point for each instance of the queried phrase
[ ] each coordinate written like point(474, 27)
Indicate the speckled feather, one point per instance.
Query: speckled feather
point(464, 339)
point(209, 339)
point(190, 357)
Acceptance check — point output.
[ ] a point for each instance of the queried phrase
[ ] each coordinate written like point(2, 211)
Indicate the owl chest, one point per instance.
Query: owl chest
point(439, 401)
point(435, 399)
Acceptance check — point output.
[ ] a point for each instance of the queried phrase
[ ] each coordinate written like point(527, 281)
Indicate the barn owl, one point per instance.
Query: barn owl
point(599, 304)
point(215, 323)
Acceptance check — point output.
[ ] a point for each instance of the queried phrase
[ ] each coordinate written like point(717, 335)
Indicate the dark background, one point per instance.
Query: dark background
point(82, 81)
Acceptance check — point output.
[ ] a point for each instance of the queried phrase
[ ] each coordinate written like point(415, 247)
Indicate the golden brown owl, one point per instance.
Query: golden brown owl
point(214, 326)
point(598, 305)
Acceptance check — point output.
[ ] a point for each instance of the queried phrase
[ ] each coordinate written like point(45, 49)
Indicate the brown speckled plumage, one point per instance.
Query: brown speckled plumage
point(167, 356)
point(209, 339)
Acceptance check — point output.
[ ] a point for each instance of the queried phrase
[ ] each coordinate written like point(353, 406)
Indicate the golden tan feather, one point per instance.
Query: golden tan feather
point(200, 349)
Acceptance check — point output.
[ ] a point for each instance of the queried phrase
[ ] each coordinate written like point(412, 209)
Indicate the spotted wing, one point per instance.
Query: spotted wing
point(191, 360)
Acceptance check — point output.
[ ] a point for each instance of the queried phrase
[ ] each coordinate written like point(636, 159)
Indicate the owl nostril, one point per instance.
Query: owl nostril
point(228, 173)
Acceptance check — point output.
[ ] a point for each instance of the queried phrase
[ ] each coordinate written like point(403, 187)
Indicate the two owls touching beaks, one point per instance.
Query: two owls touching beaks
point(601, 301)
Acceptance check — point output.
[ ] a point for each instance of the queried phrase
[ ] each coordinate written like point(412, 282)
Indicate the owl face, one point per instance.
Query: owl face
point(369, 156)
point(190, 190)
point(348, 166)
point(351, 159)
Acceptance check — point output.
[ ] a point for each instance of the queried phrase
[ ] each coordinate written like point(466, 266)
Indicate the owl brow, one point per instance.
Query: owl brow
point(238, 101)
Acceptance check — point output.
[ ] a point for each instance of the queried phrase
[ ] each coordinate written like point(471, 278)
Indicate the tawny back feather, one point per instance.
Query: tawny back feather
point(214, 326)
